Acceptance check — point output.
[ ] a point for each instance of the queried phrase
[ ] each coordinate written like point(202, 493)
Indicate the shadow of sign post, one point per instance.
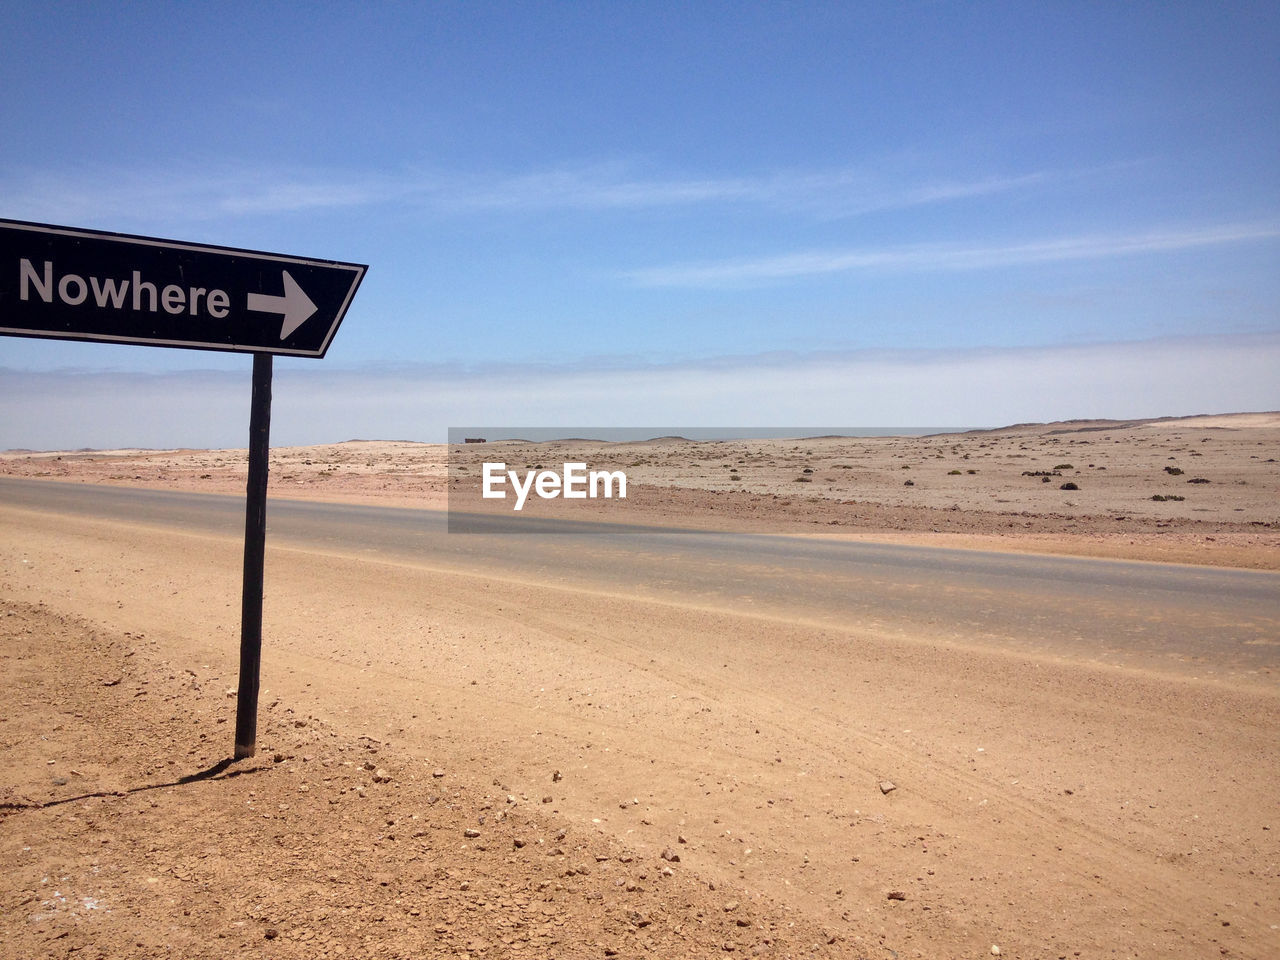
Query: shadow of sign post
point(67, 283)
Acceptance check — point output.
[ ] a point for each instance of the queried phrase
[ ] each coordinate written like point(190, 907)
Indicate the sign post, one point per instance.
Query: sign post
point(75, 284)
point(255, 544)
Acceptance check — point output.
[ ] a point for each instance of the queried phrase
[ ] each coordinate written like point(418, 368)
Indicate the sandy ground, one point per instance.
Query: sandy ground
point(124, 833)
point(830, 790)
point(998, 489)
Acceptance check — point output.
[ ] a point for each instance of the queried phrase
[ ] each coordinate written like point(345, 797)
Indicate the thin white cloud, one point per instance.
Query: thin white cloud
point(945, 256)
point(586, 188)
point(81, 196)
point(611, 187)
point(177, 194)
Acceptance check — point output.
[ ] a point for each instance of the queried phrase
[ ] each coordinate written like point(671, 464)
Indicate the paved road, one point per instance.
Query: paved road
point(1194, 619)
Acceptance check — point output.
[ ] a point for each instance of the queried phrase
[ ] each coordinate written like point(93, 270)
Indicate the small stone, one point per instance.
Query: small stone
point(470, 833)
point(731, 906)
point(995, 951)
point(887, 785)
point(548, 799)
point(681, 839)
point(897, 895)
point(557, 777)
point(670, 855)
point(271, 933)
point(381, 776)
point(369, 765)
point(517, 843)
point(437, 773)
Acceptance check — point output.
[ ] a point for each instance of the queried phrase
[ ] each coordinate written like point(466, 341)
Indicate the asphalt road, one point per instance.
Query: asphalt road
point(1190, 619)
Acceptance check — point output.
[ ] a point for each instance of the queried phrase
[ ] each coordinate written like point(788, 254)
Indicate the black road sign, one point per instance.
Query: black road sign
point(74, 284)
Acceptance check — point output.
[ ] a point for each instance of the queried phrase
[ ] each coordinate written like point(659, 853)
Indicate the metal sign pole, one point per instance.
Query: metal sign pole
point(255, 537)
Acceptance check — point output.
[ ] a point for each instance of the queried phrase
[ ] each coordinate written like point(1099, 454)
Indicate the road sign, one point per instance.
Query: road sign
point(75, 284)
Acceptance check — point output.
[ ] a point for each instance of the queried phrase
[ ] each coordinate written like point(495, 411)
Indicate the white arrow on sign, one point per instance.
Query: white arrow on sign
point(295, 305)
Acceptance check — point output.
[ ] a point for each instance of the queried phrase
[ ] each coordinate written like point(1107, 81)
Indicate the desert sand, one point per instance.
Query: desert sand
point(1217, 479)
point(457, 764)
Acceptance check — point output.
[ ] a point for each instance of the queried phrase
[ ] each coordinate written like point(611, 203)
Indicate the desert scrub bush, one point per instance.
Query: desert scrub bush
point(1173, 471)
point(1197, 480)
point(802, 480)
point(1069, 486)
point(953, 473)
point(1064, 466)
point(1162, 497)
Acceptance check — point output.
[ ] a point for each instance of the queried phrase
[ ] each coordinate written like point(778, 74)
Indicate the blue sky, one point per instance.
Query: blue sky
point(699, 213)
